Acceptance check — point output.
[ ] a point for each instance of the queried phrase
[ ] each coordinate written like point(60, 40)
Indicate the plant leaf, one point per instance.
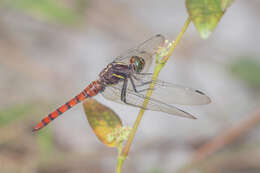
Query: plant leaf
point(205, 14)
point(103, 121)
point(225, 4)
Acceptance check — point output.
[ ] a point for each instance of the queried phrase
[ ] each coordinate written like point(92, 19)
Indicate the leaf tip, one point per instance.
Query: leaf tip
point(205, 33)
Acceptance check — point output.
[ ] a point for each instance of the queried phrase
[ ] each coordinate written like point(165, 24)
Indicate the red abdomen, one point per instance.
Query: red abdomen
point(91, 90)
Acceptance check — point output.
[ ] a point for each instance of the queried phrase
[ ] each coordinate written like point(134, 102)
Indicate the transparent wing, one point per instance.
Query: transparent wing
point(152, 44)
point(170, 93)
point(146, 50)
point(135, 99)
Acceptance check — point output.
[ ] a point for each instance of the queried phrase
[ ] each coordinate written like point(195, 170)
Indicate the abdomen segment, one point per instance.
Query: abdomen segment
point(91, 90)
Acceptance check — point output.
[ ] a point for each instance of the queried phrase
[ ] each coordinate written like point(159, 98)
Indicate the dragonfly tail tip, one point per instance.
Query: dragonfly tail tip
point(35, 129)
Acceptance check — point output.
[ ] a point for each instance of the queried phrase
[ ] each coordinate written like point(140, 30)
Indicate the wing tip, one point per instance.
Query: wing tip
point(187, 115)
point(207, 98)
point(193, 117)
point(161, 36)
point(190, 116)
point(200, 92)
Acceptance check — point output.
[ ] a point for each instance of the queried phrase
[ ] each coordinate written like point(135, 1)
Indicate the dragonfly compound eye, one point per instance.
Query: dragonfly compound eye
point(138, 63)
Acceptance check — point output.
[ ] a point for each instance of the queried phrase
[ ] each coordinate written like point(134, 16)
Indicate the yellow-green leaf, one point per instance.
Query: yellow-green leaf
point(103, 121)
point(225, 4)
point(205, 14)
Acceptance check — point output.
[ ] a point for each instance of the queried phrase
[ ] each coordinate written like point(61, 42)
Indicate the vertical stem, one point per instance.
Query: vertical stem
point(141, 112)
point(159, 65)
point(120, 159)
point(176, 42)
point(119, 164)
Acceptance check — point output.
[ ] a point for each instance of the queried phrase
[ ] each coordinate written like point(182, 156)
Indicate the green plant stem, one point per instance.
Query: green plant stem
point(176, 42)
point(120, 159)
point(159, 65)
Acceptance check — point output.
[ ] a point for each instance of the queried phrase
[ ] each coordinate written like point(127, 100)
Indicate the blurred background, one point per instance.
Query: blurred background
point(51, 49)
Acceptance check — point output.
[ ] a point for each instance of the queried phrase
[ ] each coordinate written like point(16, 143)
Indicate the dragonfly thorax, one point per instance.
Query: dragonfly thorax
point(114, 73)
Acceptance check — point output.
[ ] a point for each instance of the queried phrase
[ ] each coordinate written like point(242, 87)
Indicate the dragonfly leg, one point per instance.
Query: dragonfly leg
point(142, 90)
point(145, 73)
point(140, 80)
point(123, 94)
point(143, 84)
point(123, 91)
point(142, 74)
point(133, 84)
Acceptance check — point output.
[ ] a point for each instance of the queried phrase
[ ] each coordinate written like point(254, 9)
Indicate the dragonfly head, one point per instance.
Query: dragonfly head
point(137, 63)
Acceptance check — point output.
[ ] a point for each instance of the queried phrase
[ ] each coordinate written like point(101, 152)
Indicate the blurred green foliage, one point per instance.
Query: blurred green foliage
point(51, 10)
point(24, 149)
point(13, 113)
point(248, 70)
point(46, 144)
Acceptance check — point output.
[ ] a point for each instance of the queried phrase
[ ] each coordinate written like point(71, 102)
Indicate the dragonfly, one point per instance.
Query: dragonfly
point(125, 80)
